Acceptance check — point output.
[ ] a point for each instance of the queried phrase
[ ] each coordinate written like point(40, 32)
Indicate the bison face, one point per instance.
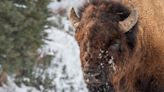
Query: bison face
point(99, 31)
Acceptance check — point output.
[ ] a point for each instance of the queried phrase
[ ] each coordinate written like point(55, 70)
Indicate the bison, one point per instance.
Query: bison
point(131, 35)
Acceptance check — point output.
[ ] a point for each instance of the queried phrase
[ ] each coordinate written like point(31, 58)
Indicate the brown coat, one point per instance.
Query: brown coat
point(109, 30)
point(145, 71)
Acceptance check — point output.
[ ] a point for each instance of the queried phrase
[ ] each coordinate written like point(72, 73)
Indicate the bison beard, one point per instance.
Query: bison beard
point(108, 30)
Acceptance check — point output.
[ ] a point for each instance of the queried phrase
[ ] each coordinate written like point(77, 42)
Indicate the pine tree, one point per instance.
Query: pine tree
point(22, 25)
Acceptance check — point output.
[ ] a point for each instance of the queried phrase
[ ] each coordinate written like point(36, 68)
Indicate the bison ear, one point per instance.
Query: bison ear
point(130, 21)
point(73, 18)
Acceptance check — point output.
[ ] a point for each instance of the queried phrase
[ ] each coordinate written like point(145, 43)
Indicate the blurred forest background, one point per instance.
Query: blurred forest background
point(38, 52)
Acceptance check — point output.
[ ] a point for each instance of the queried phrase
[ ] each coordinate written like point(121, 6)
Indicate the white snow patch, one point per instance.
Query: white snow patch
point(67, 56)
point(66, 4)
point(12, 87)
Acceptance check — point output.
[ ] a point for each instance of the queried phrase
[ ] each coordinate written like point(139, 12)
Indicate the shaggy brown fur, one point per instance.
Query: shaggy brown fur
point(99, 39)
point(138, 55)
point(145, 70)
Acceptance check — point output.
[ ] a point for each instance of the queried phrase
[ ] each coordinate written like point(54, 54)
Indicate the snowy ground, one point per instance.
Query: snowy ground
point(67, 55)
point(65, 68)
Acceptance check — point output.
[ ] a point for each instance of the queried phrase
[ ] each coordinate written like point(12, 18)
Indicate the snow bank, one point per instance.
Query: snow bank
point(67, 56)
point(65, 68)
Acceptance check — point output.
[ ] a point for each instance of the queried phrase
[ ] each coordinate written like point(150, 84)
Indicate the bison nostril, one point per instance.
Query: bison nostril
point(91, 78)
point(91, 75)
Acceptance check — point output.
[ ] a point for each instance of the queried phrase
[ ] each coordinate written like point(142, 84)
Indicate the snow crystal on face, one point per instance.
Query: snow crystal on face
point(111, 61)
point(102, 65)
point(87, 80)
point(100, 56)
point(102, 51)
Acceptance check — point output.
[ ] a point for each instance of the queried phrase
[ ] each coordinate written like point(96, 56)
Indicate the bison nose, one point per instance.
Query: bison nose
point(90, 78)
point(94, 77)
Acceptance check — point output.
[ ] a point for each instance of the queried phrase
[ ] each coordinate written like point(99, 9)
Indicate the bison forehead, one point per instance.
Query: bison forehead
point(98, 31)
point(93, 12)
point(105, 11)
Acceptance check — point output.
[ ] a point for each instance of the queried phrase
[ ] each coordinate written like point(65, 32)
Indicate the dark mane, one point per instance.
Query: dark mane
point(111, 7)
point(118, 12)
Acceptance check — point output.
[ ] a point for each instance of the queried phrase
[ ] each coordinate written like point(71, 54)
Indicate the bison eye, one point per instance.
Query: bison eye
point(115, 44)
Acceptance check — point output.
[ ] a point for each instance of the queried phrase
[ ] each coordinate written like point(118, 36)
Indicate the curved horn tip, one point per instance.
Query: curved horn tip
point(73, 17)
point(129, 22)
point(71, 12)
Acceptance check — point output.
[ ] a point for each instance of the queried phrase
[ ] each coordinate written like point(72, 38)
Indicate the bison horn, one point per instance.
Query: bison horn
point(129, 22)
point(74, 18)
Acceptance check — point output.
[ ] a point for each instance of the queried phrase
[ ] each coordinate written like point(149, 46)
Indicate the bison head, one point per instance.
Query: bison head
point(100, 32)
